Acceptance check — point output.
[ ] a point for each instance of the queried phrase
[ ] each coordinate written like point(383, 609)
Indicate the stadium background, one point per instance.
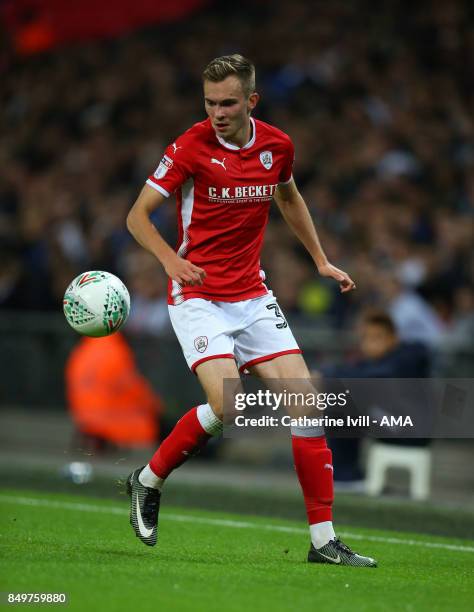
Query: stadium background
point(378, 101)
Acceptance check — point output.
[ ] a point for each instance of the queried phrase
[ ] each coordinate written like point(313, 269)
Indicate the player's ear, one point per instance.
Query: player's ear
point(253, 100)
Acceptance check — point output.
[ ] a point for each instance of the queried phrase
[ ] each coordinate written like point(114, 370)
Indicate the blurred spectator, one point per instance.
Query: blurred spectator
point(377, 98)
point(414, 318)
point(456, 361)
point(147, 283)
point(461, 334)
point(111, 403)
point(383, 355)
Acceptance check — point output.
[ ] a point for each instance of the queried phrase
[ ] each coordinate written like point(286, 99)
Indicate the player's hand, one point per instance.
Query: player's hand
point(184, 272)
point(345, 281)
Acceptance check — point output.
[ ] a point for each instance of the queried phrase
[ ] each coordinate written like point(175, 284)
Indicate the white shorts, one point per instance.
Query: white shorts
point(250, 331)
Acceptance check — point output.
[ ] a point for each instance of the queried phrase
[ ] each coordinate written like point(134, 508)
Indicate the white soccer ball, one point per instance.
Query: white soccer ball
point(96, 303)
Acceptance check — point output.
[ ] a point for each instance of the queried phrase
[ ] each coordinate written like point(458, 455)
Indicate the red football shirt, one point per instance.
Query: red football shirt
point(223, 195)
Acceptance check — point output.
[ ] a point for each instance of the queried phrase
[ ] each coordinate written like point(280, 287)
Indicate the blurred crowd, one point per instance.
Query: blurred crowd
point(377, 97)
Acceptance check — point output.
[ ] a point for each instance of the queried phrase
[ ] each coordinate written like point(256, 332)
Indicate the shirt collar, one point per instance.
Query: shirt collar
point(234, 147)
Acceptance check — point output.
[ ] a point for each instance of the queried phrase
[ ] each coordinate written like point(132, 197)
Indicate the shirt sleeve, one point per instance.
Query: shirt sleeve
point(287, 169)
point(173, 170)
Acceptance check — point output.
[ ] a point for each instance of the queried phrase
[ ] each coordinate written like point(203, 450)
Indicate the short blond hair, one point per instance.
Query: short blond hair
point(227, 65)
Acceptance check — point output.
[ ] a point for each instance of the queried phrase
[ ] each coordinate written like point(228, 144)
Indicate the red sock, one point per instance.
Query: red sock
point(313, 464)
point(186, 438)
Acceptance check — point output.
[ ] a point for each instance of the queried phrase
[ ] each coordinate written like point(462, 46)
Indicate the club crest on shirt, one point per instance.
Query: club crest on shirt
point(165, 164)
point(200, 344)
point(266, 158)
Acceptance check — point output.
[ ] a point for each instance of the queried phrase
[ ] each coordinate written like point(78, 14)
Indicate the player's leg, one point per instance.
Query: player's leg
point(196, 427)
point(208, 349)
point(189, 435)
point(267, 348)
point(313, 464)
point(312, 457)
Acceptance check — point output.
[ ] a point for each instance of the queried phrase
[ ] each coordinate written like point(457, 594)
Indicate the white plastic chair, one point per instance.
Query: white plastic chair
point(415, 459)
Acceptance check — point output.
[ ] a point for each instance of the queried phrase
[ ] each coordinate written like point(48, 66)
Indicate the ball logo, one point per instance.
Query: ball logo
point(90, 277)
point(200, 344)
point(266, 158)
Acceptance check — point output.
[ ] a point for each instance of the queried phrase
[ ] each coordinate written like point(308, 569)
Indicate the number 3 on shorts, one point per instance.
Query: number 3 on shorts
point(278, 315)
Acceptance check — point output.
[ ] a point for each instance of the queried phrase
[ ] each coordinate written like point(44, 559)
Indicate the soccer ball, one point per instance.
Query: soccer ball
point(96, 304)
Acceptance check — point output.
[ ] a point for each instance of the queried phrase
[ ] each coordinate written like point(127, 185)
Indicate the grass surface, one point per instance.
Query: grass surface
point(387, 513)
point(213, 561)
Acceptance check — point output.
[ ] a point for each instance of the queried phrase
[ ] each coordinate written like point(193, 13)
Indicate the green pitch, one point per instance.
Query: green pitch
point(209, 561)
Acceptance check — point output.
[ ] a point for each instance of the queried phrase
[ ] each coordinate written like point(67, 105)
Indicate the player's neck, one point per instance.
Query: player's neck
point(243, 136)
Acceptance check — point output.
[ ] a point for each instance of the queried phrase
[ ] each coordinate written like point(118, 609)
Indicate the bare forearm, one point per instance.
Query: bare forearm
point(296, 214)
point(146, 234)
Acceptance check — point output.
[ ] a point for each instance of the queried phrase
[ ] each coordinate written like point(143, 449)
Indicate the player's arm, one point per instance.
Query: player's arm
point(145, 233)
point(296, 214)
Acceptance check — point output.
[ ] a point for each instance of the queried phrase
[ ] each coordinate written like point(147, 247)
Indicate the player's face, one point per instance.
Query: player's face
point(376, 341)
point(229, 109)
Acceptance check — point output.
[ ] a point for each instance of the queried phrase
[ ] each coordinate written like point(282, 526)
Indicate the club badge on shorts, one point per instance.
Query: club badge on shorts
point(266, 158)
point(200, 344)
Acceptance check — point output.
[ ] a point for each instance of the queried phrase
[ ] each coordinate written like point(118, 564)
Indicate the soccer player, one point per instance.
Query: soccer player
point(225, 171)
